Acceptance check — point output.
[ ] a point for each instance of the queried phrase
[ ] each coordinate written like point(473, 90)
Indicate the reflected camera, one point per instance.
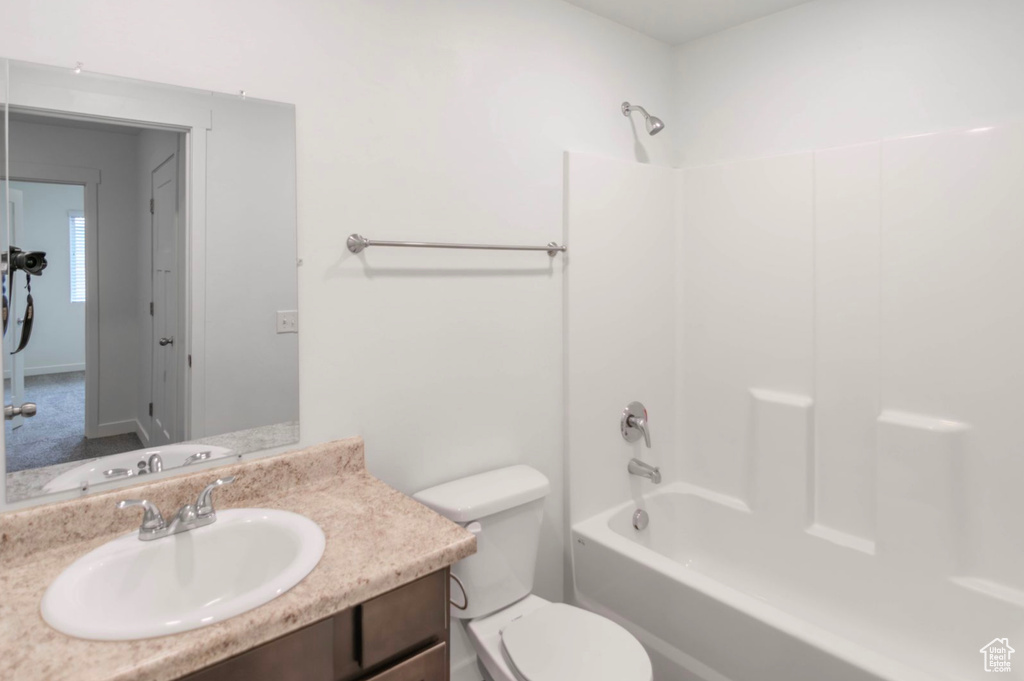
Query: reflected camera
point(33, 262)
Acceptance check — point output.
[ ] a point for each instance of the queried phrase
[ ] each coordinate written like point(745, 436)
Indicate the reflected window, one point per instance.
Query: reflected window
point(76, 227)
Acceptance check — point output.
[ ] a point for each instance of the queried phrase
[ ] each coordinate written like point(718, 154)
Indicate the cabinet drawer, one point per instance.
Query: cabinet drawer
point(430, 665)
point(304, 655)
point(399, 622)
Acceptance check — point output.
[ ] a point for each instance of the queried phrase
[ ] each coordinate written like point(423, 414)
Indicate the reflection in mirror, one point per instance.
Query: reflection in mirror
point(149, 279)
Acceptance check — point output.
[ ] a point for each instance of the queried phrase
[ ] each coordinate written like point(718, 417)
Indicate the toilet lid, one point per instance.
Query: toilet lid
point(559, 642)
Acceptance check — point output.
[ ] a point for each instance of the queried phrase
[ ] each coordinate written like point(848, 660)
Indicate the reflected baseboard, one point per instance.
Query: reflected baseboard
point(117, 428)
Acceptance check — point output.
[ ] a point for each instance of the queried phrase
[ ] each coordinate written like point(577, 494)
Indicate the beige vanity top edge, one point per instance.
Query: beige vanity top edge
point(377, 540)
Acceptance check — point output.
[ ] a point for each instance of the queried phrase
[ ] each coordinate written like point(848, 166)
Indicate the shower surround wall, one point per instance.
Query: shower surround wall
point(846, 387)
point(862, 291)
point(896, 125)
point(849, 362)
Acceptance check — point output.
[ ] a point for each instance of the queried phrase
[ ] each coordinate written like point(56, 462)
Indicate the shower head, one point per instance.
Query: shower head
point(654, 124)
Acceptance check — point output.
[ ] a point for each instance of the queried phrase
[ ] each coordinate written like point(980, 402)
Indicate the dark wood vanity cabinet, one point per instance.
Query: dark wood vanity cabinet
point(398, 636)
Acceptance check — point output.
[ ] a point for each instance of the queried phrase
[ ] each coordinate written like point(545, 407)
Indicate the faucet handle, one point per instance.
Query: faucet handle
point(634, 423)
point(204, 504)
point(641, 425)
point(152, 520)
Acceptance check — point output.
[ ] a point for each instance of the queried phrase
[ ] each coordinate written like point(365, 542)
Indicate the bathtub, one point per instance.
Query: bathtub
point(715, 593)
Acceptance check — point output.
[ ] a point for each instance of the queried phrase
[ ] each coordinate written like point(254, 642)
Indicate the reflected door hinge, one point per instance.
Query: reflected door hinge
point(150, 408)
point(152, 206)
point(151, 308)
point(190, 361)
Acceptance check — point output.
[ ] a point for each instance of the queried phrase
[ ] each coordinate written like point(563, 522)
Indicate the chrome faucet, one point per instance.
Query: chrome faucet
point(198, 456)
point(188, 517)
point(634, 423)
point(645, 470)
point(640, 423)
point(119, 472)
point(154, 465)
point(204, 503)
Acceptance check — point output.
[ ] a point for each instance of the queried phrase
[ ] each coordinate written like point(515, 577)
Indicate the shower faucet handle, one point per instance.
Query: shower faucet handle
point(634, 423)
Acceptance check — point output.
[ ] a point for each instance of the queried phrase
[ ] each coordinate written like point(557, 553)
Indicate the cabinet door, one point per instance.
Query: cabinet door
point(402, 621)
point(430, 665)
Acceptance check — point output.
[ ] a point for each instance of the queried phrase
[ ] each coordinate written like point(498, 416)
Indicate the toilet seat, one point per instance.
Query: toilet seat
point(559, 642)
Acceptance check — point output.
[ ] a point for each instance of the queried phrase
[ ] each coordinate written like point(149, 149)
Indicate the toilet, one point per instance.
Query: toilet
point(519, 636)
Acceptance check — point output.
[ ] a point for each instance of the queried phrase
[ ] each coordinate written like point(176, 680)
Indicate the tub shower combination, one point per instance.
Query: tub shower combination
point(830, 347)
point(719, 589)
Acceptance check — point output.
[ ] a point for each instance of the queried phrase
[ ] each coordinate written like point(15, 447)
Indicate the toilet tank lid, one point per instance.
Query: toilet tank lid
point(484, 494)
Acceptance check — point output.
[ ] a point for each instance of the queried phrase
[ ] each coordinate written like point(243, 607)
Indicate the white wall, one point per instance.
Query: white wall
point(836, 72)
point(114, 155)
point(440, 120)
point(252, 372)
point(58, 333)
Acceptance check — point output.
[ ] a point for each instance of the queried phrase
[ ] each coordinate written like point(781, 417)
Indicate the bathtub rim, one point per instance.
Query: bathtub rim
point(597, 529)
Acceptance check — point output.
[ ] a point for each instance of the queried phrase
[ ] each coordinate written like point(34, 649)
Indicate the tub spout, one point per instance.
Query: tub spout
point(645, 470)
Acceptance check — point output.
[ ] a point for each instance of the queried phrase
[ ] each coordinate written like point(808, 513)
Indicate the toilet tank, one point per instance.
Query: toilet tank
point(504, 509)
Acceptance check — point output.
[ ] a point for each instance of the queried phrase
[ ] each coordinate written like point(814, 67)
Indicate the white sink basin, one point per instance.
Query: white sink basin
point(129, 589)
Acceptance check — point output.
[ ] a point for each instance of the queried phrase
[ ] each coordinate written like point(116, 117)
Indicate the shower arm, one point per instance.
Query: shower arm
point(628, 108)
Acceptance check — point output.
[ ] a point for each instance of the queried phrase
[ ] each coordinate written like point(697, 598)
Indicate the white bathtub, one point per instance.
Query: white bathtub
point(716, 594)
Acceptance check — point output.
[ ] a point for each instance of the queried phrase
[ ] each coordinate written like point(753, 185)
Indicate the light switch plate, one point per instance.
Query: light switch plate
point(288, 321)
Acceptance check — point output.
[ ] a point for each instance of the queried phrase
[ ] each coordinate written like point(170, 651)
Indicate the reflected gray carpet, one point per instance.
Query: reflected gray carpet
point(57, 433)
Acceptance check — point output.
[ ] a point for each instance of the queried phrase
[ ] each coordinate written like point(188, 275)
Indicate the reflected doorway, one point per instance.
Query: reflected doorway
point(50, 367)
point(104, 359)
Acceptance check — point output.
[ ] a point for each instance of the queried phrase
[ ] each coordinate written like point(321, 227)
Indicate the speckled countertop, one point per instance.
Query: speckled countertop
point(377, 540)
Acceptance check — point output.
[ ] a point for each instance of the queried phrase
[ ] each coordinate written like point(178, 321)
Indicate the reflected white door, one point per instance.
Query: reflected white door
point(16, 363)
point(167, 346)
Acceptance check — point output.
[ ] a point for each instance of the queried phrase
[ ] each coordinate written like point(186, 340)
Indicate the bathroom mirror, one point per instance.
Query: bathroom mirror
point(149, 279)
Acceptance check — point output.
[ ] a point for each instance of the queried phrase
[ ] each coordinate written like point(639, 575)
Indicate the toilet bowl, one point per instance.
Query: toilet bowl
point(517, 635)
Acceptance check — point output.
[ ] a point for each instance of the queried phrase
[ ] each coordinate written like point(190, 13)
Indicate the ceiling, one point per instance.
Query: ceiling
point(680, 21)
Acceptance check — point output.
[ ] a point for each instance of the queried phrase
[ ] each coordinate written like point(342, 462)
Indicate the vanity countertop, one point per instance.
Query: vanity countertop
point(377, 540)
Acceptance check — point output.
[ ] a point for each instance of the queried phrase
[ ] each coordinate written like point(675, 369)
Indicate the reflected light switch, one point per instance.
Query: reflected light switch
point(288, 321)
